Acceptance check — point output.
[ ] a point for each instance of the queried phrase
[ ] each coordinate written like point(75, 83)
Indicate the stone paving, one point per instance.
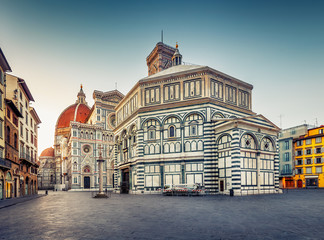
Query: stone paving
point(298, 214)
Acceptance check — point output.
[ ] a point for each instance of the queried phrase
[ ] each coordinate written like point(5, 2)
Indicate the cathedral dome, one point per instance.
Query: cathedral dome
point(77, 112)
point(48, 152)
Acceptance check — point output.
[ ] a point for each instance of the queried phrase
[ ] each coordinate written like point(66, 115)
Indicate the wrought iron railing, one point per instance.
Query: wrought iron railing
point(5, 163)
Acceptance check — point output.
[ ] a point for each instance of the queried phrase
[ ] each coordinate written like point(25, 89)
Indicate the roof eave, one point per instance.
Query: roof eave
point(23, 84)
point(4, 63)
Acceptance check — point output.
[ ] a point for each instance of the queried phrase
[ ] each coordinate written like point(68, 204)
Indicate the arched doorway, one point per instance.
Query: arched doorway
point(299, 183)
point(86, 178)
point(86, 182)
point(1, 186)
point(8, 185)
point(26, 186)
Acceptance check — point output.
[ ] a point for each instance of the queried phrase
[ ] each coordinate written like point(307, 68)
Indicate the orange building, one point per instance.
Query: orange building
point(309, 159)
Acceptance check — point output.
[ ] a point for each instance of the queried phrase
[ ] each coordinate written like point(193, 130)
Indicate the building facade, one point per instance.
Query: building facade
point(188, 124)
point(12, 149)
point(18, 92)
point(81, 135)
point(309, 159)
point(287, 154)
point(46, 173)
point(5, 165)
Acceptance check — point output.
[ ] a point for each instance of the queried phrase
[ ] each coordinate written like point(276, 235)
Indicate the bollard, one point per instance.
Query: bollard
point(46, 192)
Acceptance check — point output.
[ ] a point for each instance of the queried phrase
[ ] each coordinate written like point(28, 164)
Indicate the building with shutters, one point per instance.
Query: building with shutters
point(186, 124)
point(5, 165)
point(309, 159)
point(287, 154)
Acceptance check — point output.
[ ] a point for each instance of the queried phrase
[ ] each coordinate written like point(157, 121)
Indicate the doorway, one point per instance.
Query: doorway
point(299, 183)
point(125, 181)
point(221, 185)
point(86, 182)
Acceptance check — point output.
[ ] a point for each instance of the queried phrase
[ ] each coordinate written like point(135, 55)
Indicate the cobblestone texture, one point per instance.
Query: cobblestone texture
point(297, 214)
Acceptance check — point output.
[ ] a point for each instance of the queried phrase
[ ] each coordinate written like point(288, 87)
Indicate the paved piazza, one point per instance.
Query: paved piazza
point(297, 214)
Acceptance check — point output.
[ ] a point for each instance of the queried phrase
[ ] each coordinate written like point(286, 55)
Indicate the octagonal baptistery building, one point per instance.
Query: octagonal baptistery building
point(185, 124)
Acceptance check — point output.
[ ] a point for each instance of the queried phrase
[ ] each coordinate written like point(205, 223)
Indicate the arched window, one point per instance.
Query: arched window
point(8, 134)
point(171, 131)
point(151, 133)
point(15, 141)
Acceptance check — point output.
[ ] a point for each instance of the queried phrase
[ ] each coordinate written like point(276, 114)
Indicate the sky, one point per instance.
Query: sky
point(277, 46)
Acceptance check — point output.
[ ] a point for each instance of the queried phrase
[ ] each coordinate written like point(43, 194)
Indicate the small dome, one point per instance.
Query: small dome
point(77, 112)
point(48, 152)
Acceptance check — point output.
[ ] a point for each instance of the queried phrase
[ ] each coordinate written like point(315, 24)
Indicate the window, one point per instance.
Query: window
point(192, 88)
point(15, 141)
point(287, 157)
point(31, 137)
point(308, 151)
point(318, 169)
point(286, 145)
point(299, 152)
point(230, 94)
point(75, 180)
point(152, 95)
point(299, 162)
point(0, 99)
point(26, 135)
point(216, 89)
point(8, 113)
point(1, 127)
point(98, 110)
point(26, 118)
point(15, 121)
point(308, 141)
point(151, 134)
point(243, 98)
point(308, 161)
point(152, 169)
point(75, 166)
point(318, 140)
point(21, 130)
point(318, 150)
point(300, 143)
point(8, 135)
point(98, 118)
point(309, 170)
point(172, 92)
point(74, 133)
point(320, 131)
point(318, 160)
point(172, 131)
point(1, 77)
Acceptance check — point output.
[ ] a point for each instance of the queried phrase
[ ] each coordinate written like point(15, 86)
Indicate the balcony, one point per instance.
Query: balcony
point(286, 173)
point(26, 157)
point(5, 164)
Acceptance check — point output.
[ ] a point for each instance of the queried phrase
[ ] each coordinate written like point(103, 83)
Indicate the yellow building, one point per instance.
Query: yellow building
point(309, 159)
point(5, 165)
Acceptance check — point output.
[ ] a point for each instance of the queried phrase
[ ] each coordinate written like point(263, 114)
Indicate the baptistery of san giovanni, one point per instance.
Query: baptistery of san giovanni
point(180, 124)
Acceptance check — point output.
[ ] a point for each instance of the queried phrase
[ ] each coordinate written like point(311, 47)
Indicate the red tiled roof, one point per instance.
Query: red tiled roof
point(48, 152)
point(69, 115)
